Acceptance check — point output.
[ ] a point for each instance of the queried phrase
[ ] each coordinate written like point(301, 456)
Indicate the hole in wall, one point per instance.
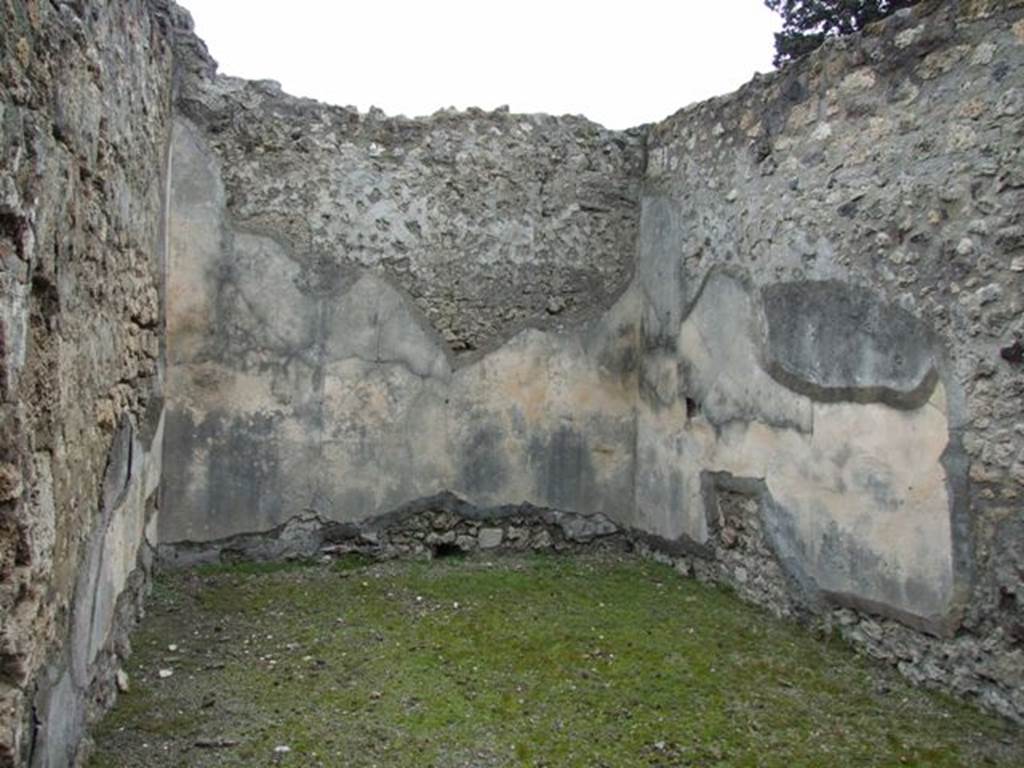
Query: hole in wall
point(1013, 353)
point(12, 228)
point(446, 550)
point(692, 407)
point(1007, 599)
point(46, 296)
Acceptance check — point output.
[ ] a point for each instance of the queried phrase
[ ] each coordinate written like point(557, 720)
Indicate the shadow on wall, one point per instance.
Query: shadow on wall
point(853, 490)
point(290, 395)
point(296, 392)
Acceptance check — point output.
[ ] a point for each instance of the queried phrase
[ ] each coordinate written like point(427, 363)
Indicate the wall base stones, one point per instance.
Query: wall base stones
point(439, 526)
point(987, 669)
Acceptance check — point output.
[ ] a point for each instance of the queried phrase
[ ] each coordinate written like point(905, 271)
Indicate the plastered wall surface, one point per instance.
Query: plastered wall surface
point(775, 339)
point(832, 266)
point(341, 400)
point(861, 505)
point(809, 296)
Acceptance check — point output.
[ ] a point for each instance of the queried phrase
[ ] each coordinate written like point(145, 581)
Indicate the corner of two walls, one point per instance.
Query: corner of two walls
point(775, 331)
point(809, 374)
point(834, 282)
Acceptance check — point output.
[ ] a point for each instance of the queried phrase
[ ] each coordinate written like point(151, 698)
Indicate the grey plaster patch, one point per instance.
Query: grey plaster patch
point(261, 305)
point(659, 274)
point(374, 322)
point(836, 341)
point(119, 467)
point(719, 351)
point(482, 467)
point(60, 712)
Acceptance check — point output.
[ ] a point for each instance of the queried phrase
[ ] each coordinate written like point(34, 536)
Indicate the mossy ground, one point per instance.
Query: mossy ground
point(513, 661)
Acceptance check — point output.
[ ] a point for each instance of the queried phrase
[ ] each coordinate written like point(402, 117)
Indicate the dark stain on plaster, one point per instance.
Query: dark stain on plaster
point(836, 342)
point(242, 473)
point(618, 356)
point(244, 466)
point(955, 462)
point(482, 465)
point(561, 466)
point(878, 483)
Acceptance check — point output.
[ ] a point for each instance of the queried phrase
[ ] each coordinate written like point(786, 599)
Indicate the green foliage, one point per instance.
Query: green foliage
point(807, 23)
point(256, 566)
point(352, 561)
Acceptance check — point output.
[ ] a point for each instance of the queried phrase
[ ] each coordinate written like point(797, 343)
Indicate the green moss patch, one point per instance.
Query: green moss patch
point(526, 661)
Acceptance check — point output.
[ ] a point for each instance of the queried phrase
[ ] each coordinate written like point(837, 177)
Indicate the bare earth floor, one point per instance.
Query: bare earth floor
point(598, 660)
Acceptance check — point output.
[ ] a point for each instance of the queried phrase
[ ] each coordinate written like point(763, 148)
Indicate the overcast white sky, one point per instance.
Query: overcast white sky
point(621, 63)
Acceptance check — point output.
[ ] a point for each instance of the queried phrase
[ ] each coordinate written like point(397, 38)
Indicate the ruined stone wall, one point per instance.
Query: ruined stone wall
point(84, 117)
point(776, 336)
point(832, 266)
point(489, 222)
point(811, 382)
point(365, 311)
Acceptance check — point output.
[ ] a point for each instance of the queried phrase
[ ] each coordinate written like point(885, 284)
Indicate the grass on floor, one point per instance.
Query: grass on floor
point(534, 661)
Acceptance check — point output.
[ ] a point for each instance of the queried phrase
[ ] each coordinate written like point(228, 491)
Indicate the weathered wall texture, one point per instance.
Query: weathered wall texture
point(84, 116)
point(317, 387)
point(833, 266)
point(777, 338)
point(336, 282)
point(779, 333)
point(489, 222)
